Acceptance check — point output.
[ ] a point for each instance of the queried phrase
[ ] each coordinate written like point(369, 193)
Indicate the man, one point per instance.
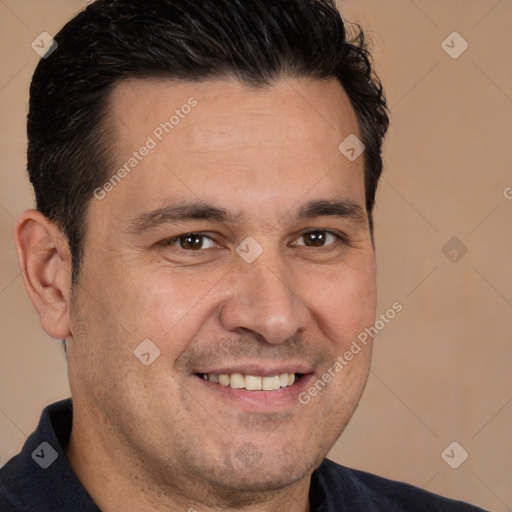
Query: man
point(205, 175)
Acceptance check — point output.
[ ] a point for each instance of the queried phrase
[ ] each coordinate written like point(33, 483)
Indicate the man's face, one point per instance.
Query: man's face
point(161, 264)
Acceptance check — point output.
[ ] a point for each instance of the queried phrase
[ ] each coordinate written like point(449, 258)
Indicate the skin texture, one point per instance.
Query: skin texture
point(158, 437)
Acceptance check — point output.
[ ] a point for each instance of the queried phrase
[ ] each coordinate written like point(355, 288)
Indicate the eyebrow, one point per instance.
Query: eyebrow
point(185, 212)
point(342, 208)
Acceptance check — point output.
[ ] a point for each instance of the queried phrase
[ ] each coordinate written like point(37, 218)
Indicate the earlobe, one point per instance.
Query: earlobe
point(45, 263)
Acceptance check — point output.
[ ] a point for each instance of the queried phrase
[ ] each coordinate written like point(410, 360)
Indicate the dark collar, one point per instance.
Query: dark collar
point(40, 476)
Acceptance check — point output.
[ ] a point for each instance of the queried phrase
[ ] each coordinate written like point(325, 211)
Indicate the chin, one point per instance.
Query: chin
point(252, 471)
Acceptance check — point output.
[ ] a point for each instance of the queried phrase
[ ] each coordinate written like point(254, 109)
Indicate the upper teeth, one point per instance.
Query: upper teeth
point(252, 382)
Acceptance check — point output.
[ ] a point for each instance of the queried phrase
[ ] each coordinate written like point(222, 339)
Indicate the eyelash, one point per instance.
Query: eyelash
point(338, 236)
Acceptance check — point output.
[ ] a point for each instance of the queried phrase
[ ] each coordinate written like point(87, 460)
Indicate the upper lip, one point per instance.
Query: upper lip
point(260, 370)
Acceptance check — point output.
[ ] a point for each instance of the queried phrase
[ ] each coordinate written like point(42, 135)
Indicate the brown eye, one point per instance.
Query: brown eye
point(315, 238)
point(319, 238)
point(191, 242)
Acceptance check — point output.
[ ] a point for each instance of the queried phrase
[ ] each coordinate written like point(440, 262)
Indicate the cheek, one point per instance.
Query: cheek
point(167, 307)
point(345, 301)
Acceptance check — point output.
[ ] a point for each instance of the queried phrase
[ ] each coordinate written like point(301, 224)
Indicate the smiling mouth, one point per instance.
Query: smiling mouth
point(252, 382)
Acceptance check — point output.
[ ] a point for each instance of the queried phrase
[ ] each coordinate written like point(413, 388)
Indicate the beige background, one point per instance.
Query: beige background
point(442, 368)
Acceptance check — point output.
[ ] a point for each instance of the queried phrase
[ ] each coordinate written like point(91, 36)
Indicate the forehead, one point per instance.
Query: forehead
point(222, 136)
point(300, 95)
point(230, 112)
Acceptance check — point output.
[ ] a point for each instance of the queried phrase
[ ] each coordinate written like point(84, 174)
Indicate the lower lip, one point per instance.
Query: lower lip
point(260, 401)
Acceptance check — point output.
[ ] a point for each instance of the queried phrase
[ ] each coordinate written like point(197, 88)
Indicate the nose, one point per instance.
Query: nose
point(262, 299)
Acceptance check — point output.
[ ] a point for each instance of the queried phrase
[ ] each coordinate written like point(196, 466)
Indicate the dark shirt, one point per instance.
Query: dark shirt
point(40, 479)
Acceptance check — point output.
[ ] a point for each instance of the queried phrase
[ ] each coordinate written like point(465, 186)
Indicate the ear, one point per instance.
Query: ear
point(45, 263)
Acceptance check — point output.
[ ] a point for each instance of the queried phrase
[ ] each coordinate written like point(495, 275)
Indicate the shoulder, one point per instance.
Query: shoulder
point(366, 491)
point(39, 476)
point(7, 506)
point(14, 476)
